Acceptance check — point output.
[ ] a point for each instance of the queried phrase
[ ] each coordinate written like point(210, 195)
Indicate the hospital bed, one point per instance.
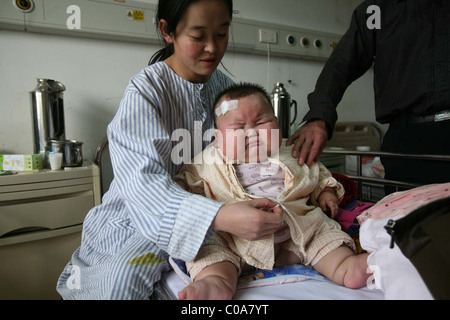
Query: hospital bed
point(308, 285)
point(304, 283)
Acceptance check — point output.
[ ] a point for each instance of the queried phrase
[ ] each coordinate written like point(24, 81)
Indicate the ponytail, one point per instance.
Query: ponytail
point(162, 54)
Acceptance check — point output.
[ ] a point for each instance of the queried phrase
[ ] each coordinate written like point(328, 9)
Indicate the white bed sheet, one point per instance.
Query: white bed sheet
point(304, 290)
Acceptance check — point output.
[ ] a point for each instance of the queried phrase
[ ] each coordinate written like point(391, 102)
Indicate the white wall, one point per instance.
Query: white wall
point(322, 15)
point(96, 72)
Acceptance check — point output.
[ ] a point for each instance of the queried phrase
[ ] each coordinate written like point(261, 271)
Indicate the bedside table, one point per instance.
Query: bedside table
point(41, 217)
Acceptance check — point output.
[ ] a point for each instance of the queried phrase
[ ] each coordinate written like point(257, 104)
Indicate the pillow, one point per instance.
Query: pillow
point(259, 278)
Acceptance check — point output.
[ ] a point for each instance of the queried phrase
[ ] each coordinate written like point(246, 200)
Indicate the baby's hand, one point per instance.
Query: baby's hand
point(329, 202)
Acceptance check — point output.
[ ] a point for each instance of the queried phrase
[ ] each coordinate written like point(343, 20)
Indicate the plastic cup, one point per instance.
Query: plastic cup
point(55, 159)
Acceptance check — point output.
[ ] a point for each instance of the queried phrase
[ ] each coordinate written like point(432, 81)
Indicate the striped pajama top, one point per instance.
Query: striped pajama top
point(145, 216)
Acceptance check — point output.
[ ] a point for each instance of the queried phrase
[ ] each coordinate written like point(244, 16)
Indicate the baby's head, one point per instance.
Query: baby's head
point(246, 126)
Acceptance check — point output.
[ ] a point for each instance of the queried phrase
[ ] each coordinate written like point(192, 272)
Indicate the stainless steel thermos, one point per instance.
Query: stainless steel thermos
point(47, 107)
point(282, 104)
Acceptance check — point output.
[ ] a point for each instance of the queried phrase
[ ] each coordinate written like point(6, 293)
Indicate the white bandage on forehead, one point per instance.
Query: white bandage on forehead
point(227, 106)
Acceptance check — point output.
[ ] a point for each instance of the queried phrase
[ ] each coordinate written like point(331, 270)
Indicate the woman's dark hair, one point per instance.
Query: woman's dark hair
point(173, 11)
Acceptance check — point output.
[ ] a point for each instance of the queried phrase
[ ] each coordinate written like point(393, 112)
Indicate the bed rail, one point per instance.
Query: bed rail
point(371, 182)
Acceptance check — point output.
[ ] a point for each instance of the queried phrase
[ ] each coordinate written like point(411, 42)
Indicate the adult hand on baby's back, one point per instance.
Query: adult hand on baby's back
point(309, 142)
point(251, 220)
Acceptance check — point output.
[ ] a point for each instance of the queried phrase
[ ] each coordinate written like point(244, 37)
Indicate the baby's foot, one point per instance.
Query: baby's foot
point(208, 288)
point(357, 275)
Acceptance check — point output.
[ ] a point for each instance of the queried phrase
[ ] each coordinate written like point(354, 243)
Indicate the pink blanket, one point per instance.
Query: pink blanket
point(402, 203)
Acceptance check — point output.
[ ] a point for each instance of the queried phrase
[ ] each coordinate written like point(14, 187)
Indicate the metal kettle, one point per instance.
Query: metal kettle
point(47, 107)
point(282, 104)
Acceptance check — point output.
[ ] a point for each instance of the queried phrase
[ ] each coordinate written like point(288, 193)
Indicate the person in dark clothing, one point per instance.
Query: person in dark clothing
point(409, 50)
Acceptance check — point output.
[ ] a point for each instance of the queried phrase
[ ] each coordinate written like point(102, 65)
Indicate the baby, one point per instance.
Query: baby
point(249, 160)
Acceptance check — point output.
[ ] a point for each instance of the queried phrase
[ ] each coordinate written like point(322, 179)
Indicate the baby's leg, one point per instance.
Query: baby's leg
point(344, 267)
point(215, 282)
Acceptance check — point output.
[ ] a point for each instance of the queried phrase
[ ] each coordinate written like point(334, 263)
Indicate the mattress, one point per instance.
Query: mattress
point(308, 289)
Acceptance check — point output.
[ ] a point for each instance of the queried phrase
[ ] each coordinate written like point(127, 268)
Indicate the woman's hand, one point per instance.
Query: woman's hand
point(251, 220)
point(310, 140)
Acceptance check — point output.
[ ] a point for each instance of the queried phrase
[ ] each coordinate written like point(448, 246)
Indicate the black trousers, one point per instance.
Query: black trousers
point(424, 138)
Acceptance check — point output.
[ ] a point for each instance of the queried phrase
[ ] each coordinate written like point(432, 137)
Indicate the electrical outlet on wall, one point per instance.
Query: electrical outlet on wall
point(268, 36)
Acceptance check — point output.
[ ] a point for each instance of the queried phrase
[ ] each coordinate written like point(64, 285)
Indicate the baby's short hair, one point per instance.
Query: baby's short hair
point(242, 90)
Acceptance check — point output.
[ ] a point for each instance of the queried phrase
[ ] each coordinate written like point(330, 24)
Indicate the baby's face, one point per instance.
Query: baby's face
point(250, 133)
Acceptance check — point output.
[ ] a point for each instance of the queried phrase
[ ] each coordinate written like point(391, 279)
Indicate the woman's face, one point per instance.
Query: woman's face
point(200, 40)
point(249, 133)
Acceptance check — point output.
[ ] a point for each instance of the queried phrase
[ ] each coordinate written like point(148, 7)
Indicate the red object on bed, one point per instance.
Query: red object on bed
point(351, 190)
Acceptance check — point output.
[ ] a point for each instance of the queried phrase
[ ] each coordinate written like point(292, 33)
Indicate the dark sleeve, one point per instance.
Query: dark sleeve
point(351, 58)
